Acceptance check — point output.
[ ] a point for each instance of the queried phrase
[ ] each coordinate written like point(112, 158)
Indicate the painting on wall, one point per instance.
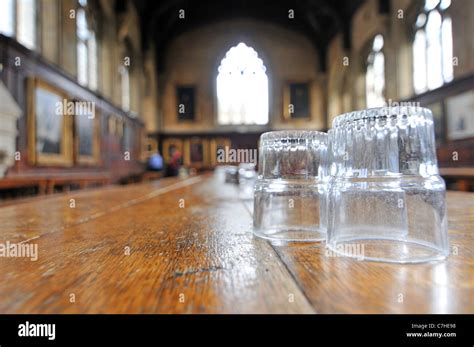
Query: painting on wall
point(186, 103)
point(48, 123)
point(297, 101)
point(50, 130)
point(196, 152)
point(85, 130)
point(87, 139)
point(459, 116)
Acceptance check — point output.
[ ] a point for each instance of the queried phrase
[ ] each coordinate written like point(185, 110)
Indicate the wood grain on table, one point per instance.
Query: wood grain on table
point(186, 246)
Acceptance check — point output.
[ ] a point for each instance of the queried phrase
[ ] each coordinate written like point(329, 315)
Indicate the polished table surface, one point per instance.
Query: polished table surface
point(186, 246)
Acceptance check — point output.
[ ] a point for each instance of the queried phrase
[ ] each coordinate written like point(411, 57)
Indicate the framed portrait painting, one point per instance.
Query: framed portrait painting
point(186, 103)
point(459, 116)
point(196, 152)
point(87, 139)
point(50, 130)
point(296, 101)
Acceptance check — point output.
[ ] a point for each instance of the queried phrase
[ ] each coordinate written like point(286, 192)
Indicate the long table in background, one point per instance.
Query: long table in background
point(186, 246)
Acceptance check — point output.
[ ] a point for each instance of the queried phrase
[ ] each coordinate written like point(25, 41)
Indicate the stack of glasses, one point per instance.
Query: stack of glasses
point(372, 181)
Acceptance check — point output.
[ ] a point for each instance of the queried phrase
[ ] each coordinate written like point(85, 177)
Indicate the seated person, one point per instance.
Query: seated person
point(155, 162)
point(174, 163)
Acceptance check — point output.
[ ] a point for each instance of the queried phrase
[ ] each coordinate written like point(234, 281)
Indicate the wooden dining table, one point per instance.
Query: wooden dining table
point(185, 245)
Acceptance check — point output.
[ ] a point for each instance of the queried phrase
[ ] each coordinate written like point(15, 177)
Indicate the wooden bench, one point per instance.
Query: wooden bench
point(463, 177)
point(82, 180)
point(46, 184)
point(24, 182)
point(152, 175)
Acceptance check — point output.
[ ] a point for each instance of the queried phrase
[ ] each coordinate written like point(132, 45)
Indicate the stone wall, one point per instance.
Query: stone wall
point(194, 57)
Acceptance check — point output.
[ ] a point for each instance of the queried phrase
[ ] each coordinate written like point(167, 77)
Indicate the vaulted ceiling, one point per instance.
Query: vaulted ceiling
point(318, 20)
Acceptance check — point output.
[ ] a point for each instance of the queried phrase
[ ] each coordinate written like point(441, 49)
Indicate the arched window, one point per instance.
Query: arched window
point(125, 87)
point(432, 47)
point(375, 74)
point(7, 18)
point(18, 19)
point(242, 87)
point(86, 48)
point(26, 22)
point(125, 74)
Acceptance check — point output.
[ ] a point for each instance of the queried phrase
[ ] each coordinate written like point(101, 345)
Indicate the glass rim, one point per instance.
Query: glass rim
point(438, 253)
point(281, 136)
point(383, 112)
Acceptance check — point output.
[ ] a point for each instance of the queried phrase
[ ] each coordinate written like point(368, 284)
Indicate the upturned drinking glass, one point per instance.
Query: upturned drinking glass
point(247, 179)
point(386, 199)
point(288, 189)
point(231, 174)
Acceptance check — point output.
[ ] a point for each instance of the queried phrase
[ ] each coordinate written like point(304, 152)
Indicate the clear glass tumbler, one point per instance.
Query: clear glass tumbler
point(231, 174)
point(288, 190)
point(386, 200)
point(247, 179)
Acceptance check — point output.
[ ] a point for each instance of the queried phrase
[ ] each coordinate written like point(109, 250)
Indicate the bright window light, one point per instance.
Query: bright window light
point(242, 87)
point(433, 47)
point(375, 74)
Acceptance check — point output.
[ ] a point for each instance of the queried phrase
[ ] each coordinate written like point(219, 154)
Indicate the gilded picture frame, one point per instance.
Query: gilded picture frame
point(92, 158)
point(196, 152)
point(50, 135)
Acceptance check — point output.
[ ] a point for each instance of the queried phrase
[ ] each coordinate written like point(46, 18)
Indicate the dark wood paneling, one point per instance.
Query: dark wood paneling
point(34, 66)
point(238, 140)
point(464, 148)
point(452, 153)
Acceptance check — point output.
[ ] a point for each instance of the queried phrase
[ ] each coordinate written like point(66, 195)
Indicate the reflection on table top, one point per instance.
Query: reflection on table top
point(186, 246)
